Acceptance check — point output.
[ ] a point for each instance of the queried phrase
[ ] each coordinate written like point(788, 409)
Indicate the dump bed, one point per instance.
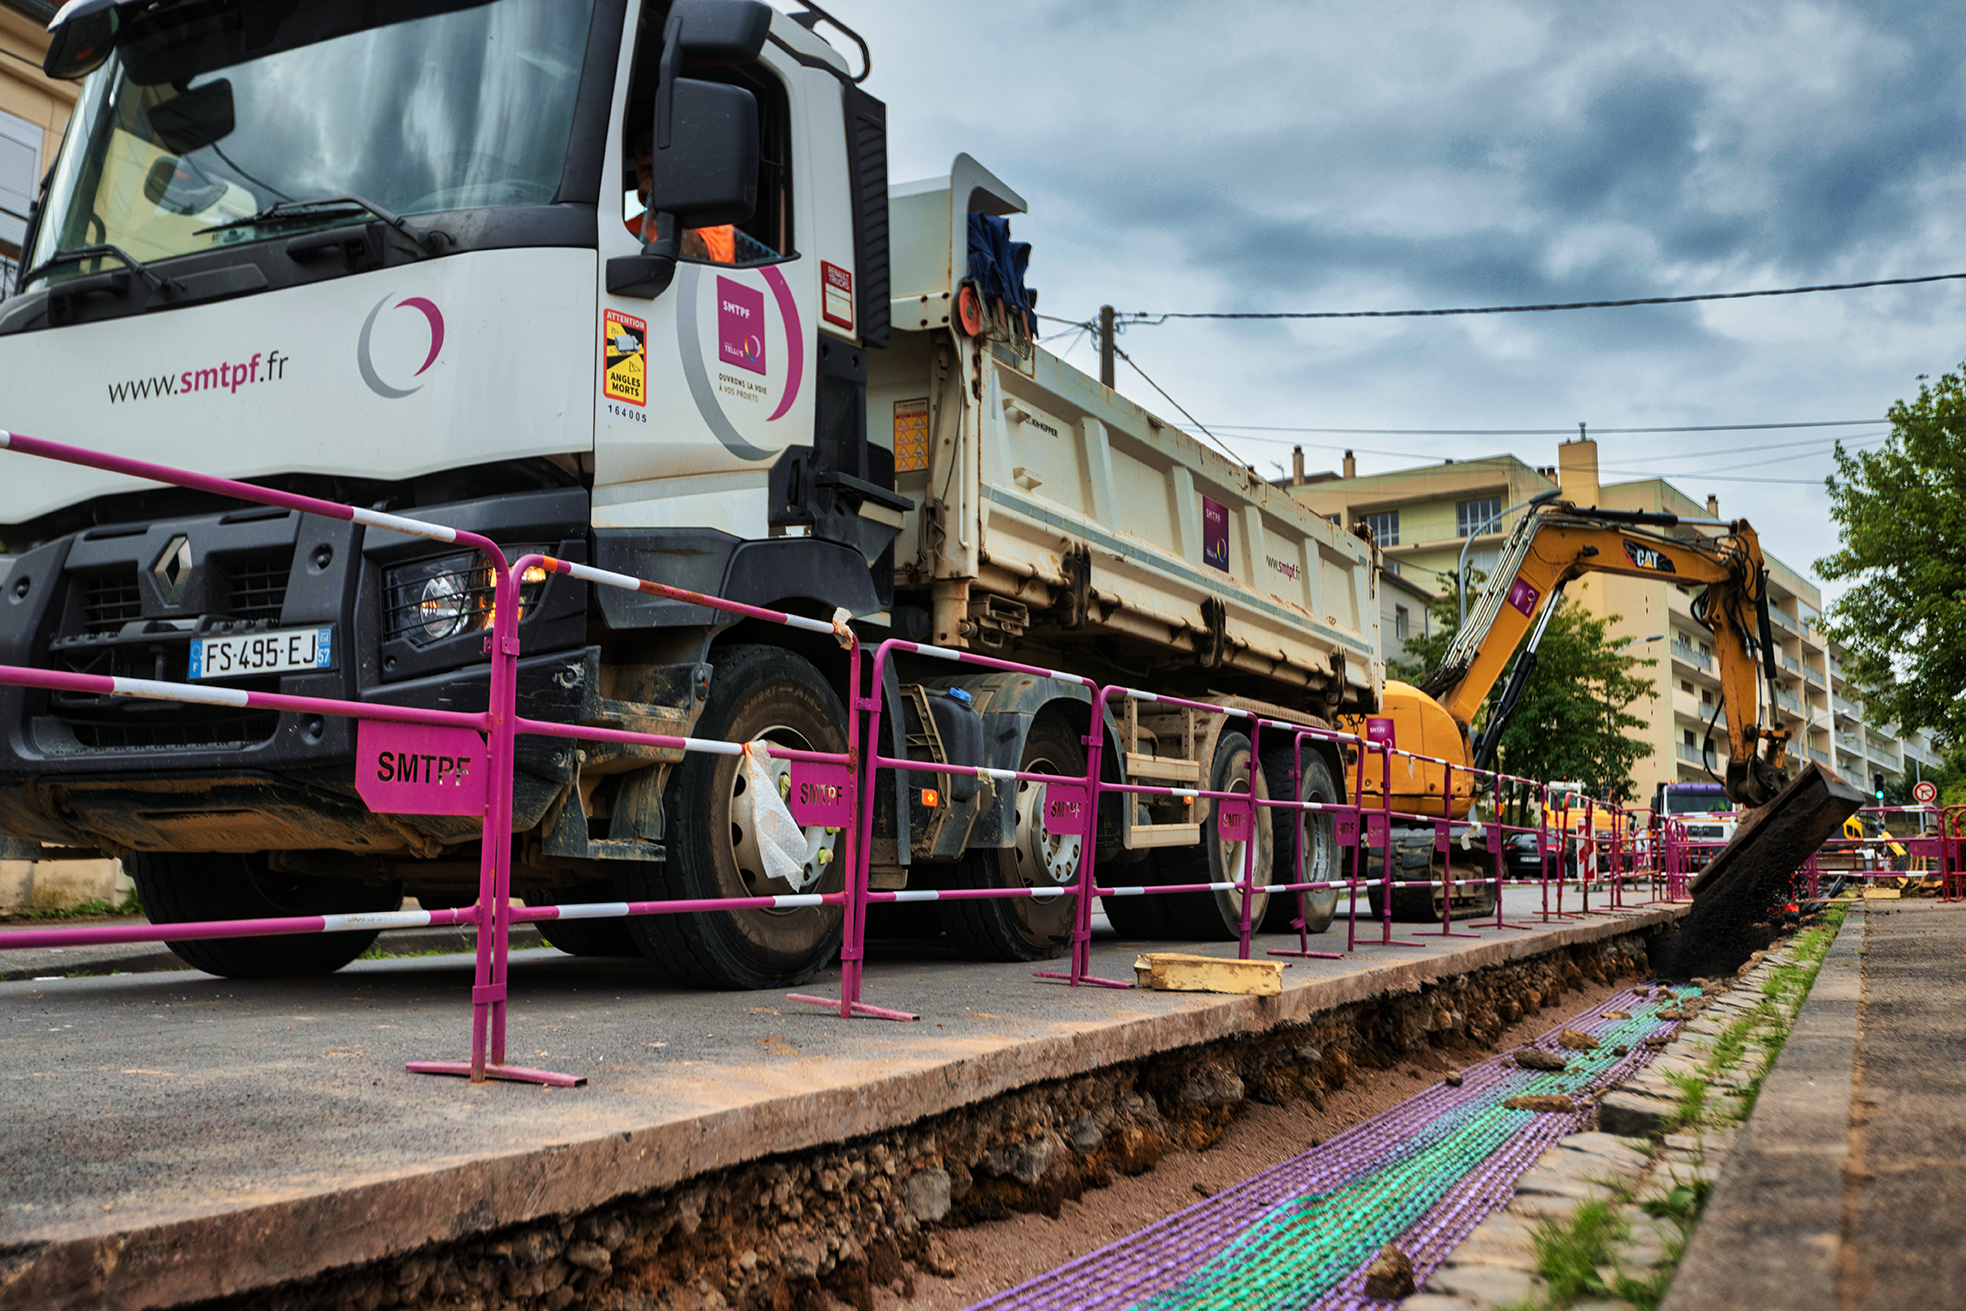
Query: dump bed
point(1049, 509)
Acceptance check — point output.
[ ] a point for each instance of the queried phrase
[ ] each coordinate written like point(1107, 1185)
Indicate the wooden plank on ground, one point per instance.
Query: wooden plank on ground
point(1174, 971)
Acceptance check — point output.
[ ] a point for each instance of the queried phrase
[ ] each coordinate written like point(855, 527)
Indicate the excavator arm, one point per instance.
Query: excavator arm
point(1557, 543)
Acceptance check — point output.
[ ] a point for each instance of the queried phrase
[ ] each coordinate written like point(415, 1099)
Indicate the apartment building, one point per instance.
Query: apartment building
point(1429, 519)
point(34, 112)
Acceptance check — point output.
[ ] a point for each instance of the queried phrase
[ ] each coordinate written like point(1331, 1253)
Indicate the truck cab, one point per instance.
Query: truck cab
point(1710, 818)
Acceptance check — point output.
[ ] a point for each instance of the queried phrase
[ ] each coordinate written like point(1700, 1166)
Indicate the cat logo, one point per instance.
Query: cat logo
point(1644, 557)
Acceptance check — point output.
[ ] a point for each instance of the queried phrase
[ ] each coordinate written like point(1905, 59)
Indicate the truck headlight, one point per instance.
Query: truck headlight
point(431, 600)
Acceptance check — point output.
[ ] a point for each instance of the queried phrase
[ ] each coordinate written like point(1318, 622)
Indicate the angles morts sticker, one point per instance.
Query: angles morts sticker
point(624, 358)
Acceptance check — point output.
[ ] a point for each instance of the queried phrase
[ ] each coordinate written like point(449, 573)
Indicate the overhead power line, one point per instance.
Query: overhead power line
point(1149, 319)
point(1545, 432)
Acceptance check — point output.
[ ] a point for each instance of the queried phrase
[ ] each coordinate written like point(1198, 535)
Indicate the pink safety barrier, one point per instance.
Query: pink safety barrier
point(491, 796)
point(488, 992)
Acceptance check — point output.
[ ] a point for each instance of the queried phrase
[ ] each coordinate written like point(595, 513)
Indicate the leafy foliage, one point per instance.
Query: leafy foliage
point(1902, 513)
point(1572, 720)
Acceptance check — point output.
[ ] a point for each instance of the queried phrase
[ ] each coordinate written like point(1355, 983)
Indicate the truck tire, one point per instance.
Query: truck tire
point(584, 937)
point(755, 692)
point(179, 888)
point(1210, 916)
point(1322, 859)
point(1023, 928)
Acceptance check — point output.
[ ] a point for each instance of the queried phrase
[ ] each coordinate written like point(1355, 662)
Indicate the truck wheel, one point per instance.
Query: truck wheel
point(583, 937)
point(1319, 838)
point(755, 692)
point(1023, 928)
point(180, 888)
point(1218, 915)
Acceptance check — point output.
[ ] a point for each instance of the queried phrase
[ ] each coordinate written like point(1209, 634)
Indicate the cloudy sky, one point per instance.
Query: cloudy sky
point(1295, 156)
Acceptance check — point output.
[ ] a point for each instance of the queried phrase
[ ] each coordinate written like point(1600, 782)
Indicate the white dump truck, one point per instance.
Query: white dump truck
point(625, 281)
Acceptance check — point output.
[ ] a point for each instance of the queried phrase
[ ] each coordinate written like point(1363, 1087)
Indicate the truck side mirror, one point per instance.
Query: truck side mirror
point(705, 137)
point(708, 174)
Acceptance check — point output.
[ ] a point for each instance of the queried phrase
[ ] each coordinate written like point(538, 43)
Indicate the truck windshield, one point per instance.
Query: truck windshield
point(211, 111)
point(1696, 803)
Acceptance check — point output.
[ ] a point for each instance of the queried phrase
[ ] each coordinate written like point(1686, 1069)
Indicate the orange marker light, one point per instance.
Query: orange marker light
point(931, 798)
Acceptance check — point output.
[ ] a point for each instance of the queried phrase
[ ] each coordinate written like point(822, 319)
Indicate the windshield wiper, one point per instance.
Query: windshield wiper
point(167, 288)
point(303, 211)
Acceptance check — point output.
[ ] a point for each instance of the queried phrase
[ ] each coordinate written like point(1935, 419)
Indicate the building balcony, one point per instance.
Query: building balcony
point(1889, 760)
point(1687, 653)
point(1814, 675)
point(1686, 753)
point(1844, 706)
point(1791, 664)
point(1820, 757)
point(1789, 701)
point(1783, 621)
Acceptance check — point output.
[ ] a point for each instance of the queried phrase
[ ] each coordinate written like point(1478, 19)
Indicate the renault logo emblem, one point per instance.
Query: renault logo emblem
point(173, 569)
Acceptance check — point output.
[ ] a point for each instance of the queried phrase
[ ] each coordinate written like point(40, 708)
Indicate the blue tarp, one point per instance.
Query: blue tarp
point(997, 266)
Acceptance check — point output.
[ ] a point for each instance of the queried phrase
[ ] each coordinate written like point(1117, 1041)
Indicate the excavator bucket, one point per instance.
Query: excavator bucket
point(1734, 892)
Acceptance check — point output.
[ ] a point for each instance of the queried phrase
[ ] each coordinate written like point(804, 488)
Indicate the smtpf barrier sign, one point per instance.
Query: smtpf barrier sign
point(414, 769)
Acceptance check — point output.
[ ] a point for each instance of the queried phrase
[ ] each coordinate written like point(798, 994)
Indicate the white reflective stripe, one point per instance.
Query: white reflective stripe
point(939, 652)
point(810, 625)
point(1126, 892)
point(376, 919)
point(7, 438)
point(397, 523)
point(1182, 792)
point(1048, 894)
point(595, 910)
point(803, 899)
point(1227, 887)
point(605, 577)
point(1140, 696)
point(918, 894)
point(983, 771)
point(155, 691)
point(714, 747)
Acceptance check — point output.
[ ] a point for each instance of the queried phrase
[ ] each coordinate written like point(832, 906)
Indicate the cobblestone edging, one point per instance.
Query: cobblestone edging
point(1601, 1219)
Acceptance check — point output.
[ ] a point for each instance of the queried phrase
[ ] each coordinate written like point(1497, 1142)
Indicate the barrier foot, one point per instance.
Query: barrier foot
point(1303, 954)
point(509, 1073)
point(1093, 979)
point(1390, 942)
point(1442, 933)
point(860, 1008)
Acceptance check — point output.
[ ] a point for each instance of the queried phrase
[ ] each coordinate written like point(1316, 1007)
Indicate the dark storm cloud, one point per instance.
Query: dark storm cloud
point(1284, 154)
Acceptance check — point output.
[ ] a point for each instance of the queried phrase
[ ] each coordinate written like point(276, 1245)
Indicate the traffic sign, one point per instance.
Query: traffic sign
point(1925, 792)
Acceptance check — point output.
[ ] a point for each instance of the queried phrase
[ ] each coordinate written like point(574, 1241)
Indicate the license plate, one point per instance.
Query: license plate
point(263, 653)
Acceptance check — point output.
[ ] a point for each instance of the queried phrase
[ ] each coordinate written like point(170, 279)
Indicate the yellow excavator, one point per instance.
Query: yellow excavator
point(1555, 542)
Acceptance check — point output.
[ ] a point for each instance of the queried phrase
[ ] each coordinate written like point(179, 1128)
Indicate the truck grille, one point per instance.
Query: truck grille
point(232, 730)
point(258, 585)
point(109, 600)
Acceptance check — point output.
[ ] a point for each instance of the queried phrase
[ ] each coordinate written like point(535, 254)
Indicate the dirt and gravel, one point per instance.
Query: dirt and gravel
point(952, 1208)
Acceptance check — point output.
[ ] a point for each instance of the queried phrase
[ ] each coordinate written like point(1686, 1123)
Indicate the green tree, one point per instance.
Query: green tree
point(1902, 518)
point(1572, 719)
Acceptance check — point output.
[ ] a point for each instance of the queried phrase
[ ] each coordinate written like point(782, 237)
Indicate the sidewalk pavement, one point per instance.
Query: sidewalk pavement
point(1847, 1190)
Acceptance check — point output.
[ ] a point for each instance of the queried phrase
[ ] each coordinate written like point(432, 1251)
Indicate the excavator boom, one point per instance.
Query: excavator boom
point(1557, 543)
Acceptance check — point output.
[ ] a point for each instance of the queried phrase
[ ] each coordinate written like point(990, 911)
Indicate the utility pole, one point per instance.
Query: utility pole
point(1106, 345)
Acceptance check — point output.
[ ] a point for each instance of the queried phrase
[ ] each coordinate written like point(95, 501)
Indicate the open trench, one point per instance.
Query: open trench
point(952, 1208)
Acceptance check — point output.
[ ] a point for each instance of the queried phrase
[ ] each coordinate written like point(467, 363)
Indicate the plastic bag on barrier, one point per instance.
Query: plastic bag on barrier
point(781, 842)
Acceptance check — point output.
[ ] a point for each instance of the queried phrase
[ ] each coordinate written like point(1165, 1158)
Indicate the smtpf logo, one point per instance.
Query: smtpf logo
point(740, 326)
point(399, 344)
